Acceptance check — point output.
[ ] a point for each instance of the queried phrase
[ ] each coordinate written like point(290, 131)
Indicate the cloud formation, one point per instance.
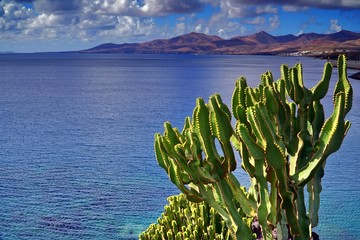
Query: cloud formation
point(67, 19)
point(58, 6)
point(138, 20)
point(334, 26)
point(326, 4)
point(2, 11)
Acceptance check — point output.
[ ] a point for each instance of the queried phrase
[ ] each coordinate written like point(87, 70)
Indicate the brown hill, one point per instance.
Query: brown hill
point(259, 43)
point(259, 38)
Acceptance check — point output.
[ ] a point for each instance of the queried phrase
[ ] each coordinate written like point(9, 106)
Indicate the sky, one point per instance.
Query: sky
point(66, 25)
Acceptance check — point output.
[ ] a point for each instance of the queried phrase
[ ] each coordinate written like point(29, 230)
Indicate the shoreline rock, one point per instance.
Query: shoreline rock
point(355, 76)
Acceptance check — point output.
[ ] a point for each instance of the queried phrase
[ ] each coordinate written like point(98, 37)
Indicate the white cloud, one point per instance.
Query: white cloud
point(65, 20)
point(293, 8)
point(127, 27)
point(222, 25)
point(147, 8)
point(58, 6)
point(15, 11)
point(50, 20)
point(266, 9)
point(202, 29)
point(234, 9)
point(309, 23)
point(267, 24)
point(334, 26)
point(299, 33)
point(134, 20)
point(180, 28)
point(274, 22)
point(255, 21)
point(181, 19)
point(2, 11)
point(14, 18)
point(334, 4)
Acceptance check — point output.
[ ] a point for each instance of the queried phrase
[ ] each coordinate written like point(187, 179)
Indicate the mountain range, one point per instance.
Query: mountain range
point(259, 43)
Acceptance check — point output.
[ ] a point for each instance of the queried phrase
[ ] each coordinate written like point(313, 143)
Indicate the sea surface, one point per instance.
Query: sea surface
point(76, 140)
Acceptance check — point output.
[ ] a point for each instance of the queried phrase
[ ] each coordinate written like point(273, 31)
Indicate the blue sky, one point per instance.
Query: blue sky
point(63, 25)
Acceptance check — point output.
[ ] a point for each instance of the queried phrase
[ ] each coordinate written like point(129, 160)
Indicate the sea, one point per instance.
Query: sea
point(77, 133)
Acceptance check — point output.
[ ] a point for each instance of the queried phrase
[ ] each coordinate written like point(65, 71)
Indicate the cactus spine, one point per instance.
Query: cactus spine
point(283, 141)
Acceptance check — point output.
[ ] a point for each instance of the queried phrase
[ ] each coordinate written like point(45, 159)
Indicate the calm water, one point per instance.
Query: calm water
point(76, 141)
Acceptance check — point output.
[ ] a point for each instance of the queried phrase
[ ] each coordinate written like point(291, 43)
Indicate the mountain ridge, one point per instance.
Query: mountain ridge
point(258, 43)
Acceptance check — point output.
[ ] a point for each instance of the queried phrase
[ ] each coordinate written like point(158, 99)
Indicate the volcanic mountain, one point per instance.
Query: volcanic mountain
point(259, 43)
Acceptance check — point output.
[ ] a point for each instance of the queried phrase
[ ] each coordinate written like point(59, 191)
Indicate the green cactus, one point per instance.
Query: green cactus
point(187, 220)
point(283, 141)
point(195, 165)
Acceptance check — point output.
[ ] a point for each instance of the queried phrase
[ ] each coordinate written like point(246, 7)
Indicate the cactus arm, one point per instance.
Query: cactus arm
point(170, 134)
point(331, 136)
point(293, 159)
point(201, 123)
point(200, 173)
point(222, 106)
point(282, 229)
point(187, 125)
point(296, 90)
point(264, 205)
point(247, 204)
point(238, 97)
point(245, 157)
point(304, 221)
point(174, 173)
point(267, 78)
point(284, 72)
point(251, 96)
point(321, 88)
point(343, 84)
point(208, 194)
point(318, 118)
point(273, 215)
point(314, 190)
point(271, 101)
point(300, 75)
point(173, 154)
point(276, 158)
point(241, 115)
point(242, 230)
point(221, 128)
point(255, 150)
point(293, 125)
point(282, 116)
point(159, 152)
point(255, 127)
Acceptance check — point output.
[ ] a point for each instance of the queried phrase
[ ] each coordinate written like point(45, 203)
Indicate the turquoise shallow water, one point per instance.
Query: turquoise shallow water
point(76, 141)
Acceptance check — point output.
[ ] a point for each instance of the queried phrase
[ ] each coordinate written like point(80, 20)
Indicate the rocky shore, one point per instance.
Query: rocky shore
point(355, 76)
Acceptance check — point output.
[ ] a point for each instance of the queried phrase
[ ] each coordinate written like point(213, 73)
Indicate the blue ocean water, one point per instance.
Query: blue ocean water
point(76, 140)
